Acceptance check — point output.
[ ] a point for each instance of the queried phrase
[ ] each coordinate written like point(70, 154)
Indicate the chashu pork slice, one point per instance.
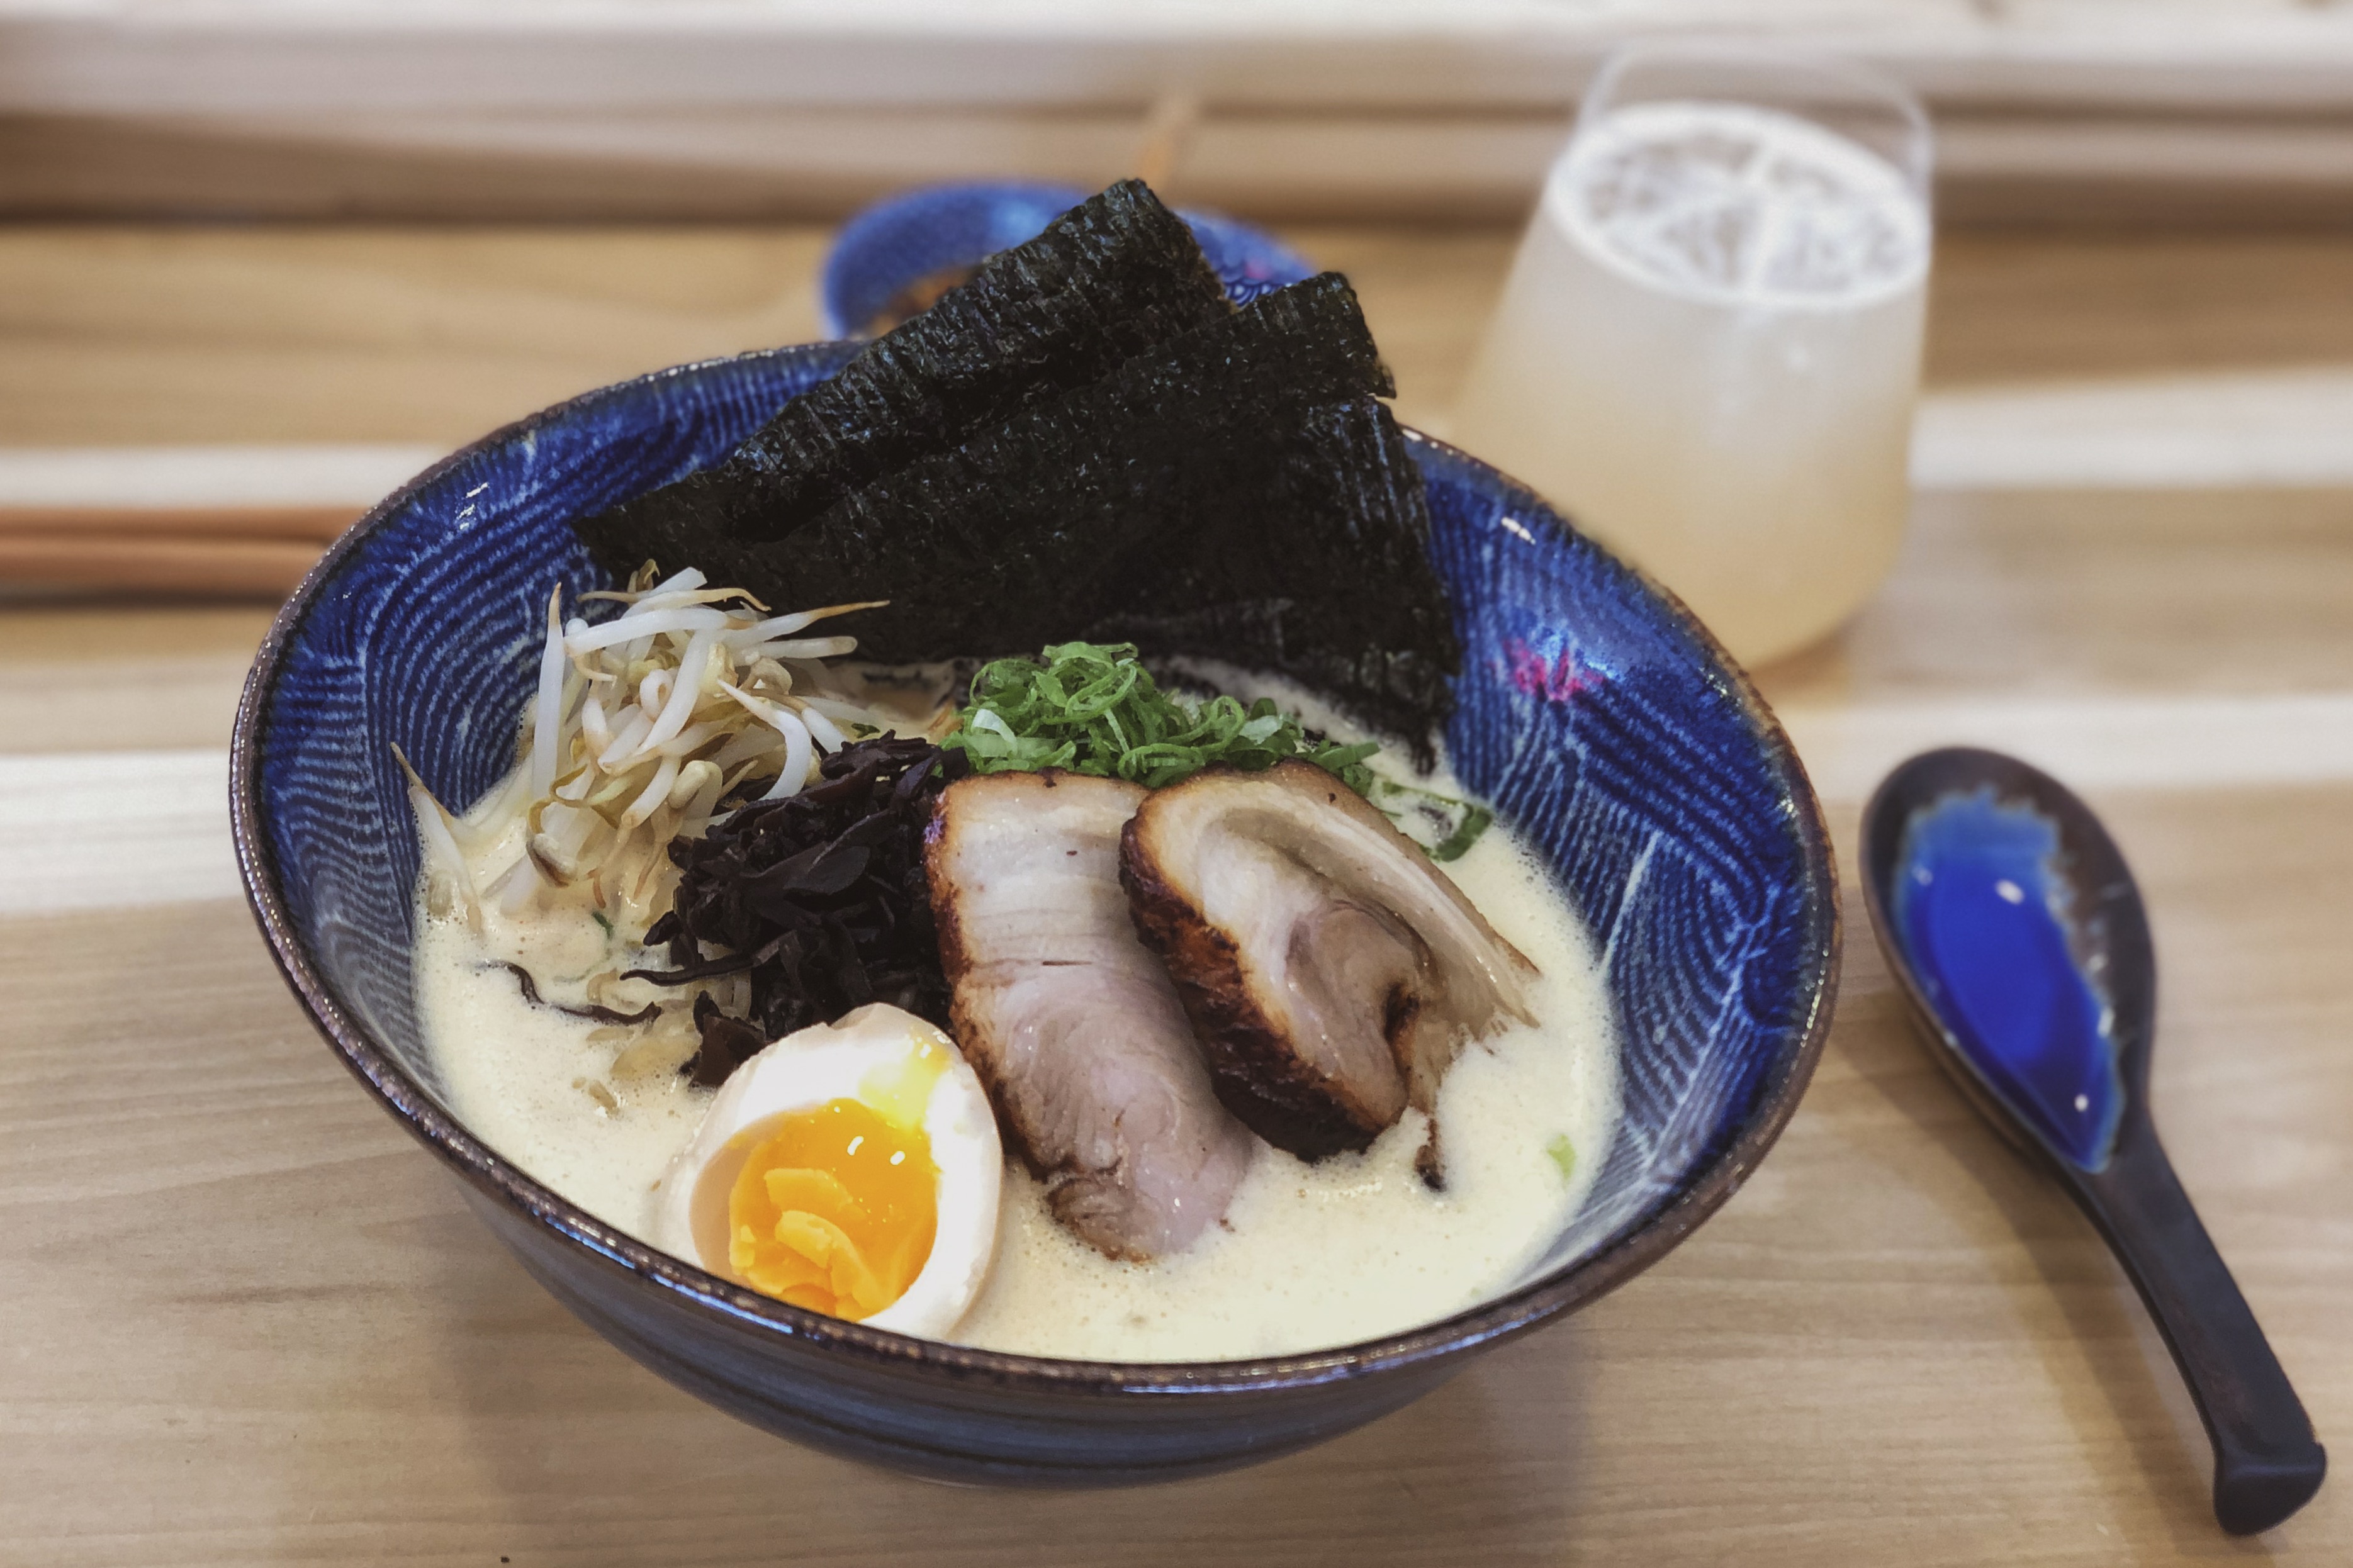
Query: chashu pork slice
point(1074, 1027)
point(1331, 972)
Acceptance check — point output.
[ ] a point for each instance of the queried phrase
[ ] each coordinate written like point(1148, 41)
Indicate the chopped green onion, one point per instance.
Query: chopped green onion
point(1563, 1155)
point(1443, 826)
point(1093, 708)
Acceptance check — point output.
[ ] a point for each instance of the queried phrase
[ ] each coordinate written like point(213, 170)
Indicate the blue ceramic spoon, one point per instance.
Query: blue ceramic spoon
point(2011, 920)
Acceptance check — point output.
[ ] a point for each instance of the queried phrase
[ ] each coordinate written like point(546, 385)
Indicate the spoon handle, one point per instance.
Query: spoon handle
point(2267, 1462)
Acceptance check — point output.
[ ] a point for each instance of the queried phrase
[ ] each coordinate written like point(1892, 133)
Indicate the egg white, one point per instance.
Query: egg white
point(832, 1061)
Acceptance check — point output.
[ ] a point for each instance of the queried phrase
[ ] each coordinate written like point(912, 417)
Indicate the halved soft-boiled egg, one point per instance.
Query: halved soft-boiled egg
point(850, 1168)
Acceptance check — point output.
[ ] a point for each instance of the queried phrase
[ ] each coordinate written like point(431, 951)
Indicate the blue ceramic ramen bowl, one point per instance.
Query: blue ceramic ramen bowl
point(901, 241)
point(1599, 718)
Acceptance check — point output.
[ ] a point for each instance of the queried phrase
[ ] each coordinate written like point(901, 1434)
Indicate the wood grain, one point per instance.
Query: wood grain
point(121, 334)
point(315, 525)
point(2020, 307)
point(145, 563)
point(2060, 169)
point(1997, 595)
point(93, 675)
point(246, 1321)
point(2101, 593)
point(2060, 111)
point(131, 335)
point(243, 1299)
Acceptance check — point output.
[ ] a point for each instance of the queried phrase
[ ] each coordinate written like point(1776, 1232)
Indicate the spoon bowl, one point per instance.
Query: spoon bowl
point(2013, 925)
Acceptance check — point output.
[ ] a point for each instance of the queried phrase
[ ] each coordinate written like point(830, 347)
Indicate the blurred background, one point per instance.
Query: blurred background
point(537, 195)
point(261, 260)
point(2047, 111)
point(220, 216)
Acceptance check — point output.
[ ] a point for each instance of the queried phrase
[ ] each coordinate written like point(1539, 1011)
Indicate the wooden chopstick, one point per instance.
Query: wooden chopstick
point(157, 564)
point(223, 551)
point(319, 523)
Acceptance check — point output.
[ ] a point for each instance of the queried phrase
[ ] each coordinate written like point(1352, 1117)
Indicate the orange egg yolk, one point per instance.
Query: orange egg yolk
point(835, 1211)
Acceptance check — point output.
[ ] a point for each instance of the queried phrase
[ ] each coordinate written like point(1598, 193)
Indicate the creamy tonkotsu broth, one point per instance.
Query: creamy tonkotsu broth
point(795, 969)
point(1354, 1245)
point(1308, 1256)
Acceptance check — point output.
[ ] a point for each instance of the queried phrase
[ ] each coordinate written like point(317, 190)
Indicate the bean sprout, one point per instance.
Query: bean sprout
point(639, 726)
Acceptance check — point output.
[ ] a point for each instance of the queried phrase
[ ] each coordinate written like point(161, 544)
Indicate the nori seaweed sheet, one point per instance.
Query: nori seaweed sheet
point(1327, 580)
point(1104, 281)
point(1075, 444)
point(1081, 505)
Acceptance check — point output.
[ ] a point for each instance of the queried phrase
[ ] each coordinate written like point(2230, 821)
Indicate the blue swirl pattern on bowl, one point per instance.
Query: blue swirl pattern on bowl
point(1599, 718)
point(910, 236)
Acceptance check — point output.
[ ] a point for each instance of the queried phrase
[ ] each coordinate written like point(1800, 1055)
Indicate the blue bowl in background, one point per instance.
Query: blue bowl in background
point(1601, 720)
point(908, 237)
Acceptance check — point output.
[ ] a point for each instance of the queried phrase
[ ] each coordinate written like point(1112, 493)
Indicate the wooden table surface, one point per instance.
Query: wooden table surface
point(246, 1320)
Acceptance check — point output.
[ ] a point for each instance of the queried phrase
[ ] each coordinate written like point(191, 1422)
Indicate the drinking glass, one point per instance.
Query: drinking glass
point(1709, 346)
